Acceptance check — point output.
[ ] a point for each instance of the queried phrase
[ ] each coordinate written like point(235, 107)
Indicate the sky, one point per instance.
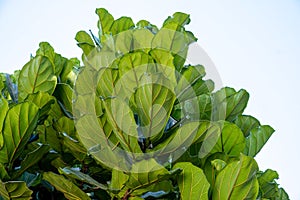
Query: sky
point(254, 45)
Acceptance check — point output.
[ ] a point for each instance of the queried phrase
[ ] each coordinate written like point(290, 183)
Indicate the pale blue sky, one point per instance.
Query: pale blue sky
point(254, 44)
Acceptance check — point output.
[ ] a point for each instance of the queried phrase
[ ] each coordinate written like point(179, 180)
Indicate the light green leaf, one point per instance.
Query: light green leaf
point(257, 139)
point(146, 173)
point(69, 189)
point(178, 141)
point(142, 39)
point(76, 174)
point(121, 24)
point(232, 102)
point(37, 75)
point(246, 123)
point(105, 21)
point(231, 141)
point(20, 122)
point(31, 159)
point(85, 42)
point(154, 101)
point(237, 180)
point(192, 182)
point(191, 84)
point(14, 190)
point(179, 18)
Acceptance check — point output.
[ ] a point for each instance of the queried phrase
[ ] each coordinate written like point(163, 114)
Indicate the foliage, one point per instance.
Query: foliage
point(136, 121)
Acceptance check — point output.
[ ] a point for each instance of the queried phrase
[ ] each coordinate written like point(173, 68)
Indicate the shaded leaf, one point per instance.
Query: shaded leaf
point(69, 189)
point(73, 173)
point(14, 190)
point(31, 159)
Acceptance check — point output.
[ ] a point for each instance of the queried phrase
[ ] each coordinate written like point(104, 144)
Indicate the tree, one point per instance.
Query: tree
point(136, 121)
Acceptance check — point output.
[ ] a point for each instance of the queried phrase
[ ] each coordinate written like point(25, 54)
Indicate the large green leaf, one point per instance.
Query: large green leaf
point(246, 123)
point(282, 195)
point(257, 139)
point(237, 180)
point(68, 188)
point(231, 141)
point(37, 75)
point(121, 24)
point(146, 173)
point(231, 103)
point(180, 139)
point(14, 190)
point(154, 101)
point(192, 182)
point(105, 21)
point(20, 122)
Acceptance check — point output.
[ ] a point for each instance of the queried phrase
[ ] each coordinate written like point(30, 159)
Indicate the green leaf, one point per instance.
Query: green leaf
point(191, 84)
point(257, 139)
point(268, 186)
point(37, 75)
point(69, 189)
point(231, 141)
point(179, 18)
point(154, 101)
point(246, 123)
point(20, 122)
point(31, 159)
point(73, 173)
point(237, 180)
point(85, 42)
point(233, 102)
point(14, 190)
point(282, 195)
point(64, 94)
point(132, 67)
point(4, 108)
point(192, 182)
point(105, 21)
point(3, 173)
point(178, 141)
point(121, 24)
point(147, 172)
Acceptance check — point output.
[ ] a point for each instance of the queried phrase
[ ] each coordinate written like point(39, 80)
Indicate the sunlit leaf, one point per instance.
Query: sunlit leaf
point(192, 182)
point(37, 75)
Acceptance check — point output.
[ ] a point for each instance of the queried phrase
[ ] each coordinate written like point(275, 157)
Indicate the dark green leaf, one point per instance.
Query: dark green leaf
point(69, 189)
point(73, 173)
point(31, 159)
point(14, 190)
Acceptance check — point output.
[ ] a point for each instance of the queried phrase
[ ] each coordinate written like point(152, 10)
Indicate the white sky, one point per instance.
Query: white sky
point(254, 44)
